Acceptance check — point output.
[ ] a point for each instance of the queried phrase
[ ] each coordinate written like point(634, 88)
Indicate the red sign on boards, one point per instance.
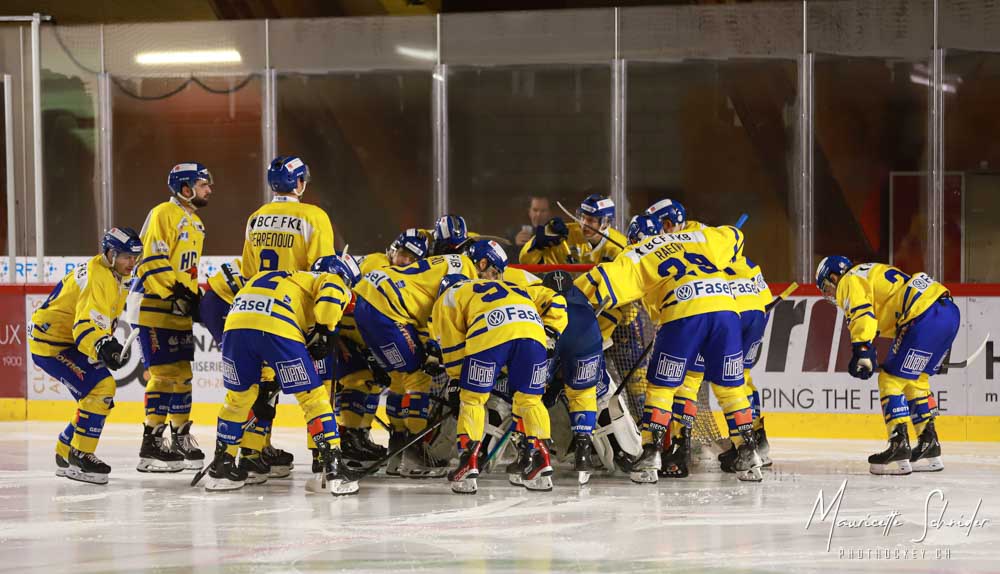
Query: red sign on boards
point(13, 372)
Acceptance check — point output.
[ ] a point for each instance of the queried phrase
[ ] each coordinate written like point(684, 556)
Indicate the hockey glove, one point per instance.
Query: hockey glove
point(433, 363)
point(318, 345)
point(551, 339)
point(109, 351)
point(454, 396)
point(552, 233)
point(862, 363)
point(185, 301)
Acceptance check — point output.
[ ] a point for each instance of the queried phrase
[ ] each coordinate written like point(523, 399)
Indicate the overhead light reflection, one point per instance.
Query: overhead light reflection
point(188, 57)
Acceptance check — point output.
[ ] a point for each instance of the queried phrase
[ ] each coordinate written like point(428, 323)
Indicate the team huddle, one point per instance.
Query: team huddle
point(343, 333)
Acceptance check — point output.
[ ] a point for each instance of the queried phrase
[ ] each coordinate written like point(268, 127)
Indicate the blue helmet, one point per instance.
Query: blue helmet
point(668, 210)
point(344, 265)
point(411, 240)
point(121, 240)
point(643, 226)
point(451, 229)
point(284, 173)
point(450, 280)
point(833, 264)
point(490, 251)
point(597, 205)
point(187, 174)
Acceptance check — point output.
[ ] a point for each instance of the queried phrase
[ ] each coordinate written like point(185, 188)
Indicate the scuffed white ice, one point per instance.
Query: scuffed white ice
point(708, 522)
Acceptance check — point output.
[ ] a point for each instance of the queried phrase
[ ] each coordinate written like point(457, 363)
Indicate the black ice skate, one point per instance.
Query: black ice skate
point(463, 478)
point(727, 459)
point(894, 460)
point(417, 462)
point(224, 473)
point(340, 480)
point(86, 467)
point(520, 459)
point(583, 457)
point(253, 464)
point(645, 468)
point(61, 465)
point(316, 483)
point(537, 473)
point(355, 447)
point(747, 463)
point(396, 441)
point(181, 442)
point(280, 461)
point(375, 448)
point(926, 456)
point(675, 460)
point(154, 455)
point(763, 447)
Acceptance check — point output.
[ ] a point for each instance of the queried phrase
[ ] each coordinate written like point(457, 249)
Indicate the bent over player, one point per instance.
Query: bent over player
point(72, 340)
point(919, 314)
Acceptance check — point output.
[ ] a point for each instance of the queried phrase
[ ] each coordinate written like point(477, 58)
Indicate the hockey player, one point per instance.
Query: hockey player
point(681, 279)
point(268, 323)
point(482, 327)
point(595, 241)
point(392, 309)
point(282, 235)
point(165, 293)
point(72, 340)
point(919, 314)
point(449, 236)
point(672, 216)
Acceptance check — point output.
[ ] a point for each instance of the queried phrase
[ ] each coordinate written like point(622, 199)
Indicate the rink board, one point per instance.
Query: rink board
point(801, 375)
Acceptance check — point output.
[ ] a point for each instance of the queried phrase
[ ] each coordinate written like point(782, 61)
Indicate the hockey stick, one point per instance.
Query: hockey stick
point(127, 346)
point(430, 428)
point(972, 357)
point(638, 363)
point(784, 295)
point(743, 219)
point(250, 423)
point(500, 443)
point(582, 224)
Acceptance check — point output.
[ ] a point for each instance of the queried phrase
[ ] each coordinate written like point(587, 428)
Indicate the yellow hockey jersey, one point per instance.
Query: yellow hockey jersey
point(289, 304)
point(677, 275)
point(407, 294)
point(575, 249)
point(227, 285)
point(348, 326)
point(82, 309)
point(879, 299)
point(172, 241)
point(374, 261)
point(479, 315)
point(551, 305)
point(286, 235)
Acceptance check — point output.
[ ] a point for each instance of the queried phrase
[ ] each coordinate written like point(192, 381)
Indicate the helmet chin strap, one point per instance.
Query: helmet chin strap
point(298, 193)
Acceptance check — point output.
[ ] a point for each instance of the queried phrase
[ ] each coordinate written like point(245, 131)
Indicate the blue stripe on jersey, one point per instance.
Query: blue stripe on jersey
point(859, 308)
point(389, 301)
point(152, 258)
point(337, 302)
point(609, 317)
point(476, 320)
point(156, 310)
point(607, 282)
point(84, 334)
point(868, 314)
point(80, 322)
point(399, 296)
point(476, 333)
point(284, 306)
point(453, 349)
point(287, 320)
point(154, 272)
point(906, 295)
point(556, 306)
point(906, 308)
point(597, 290)
point(667, 296)
point(333, 286)
point(454, 363)
point(53, 343)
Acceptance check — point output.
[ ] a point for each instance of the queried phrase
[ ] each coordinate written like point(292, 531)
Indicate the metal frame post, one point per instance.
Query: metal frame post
point(619, 104)
point(107, 212)
point(805, 222)
point(269, 125)
point(8, 118)
point(36, 122)
point(439, 119)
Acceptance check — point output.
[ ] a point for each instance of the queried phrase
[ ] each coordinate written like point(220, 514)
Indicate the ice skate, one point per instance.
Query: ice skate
point(225, 474)
point(340, 480)
point(252, 463)
point(365, 438)
point(763, 447)
point(183, 443)
point(747, 463)
point(61, 465)
point(727, 459)
point(355, 447)
point(154, 455)
point(513, 469)
point(396, 441)
point(583, 458)
point(894, 460)
point(645, 468)
point(675, 461)
point(417, 462)
point(537, 473)
point(926, 456)
point(86, 467)
point(463, 478)
point(280, 462)
point(317, 482)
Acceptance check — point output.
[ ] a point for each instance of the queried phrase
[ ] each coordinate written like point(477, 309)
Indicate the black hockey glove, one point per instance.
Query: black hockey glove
point(552, 233)
point(862, 363)
point(318, 345)
point(434, 362)
point(109, 351)
point(185, 302)
point(552, 339)
point(454, 397)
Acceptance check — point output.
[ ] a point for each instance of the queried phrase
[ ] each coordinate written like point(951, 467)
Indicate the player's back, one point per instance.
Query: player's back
point(407, 294)
point(896, 297)
point(286, 303)
point(749, 287)
point(285, 235)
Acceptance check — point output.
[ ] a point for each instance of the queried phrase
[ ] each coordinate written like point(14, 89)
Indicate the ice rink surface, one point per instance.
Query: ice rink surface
point(707, 522)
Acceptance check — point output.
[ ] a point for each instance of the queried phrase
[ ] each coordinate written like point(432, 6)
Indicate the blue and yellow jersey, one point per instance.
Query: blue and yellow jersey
point(286, 235)
point(227, 281)
point(676, 275)
point(289, 304)
point(82, 309)
point(479, 315)
point(878, 299)
point(374, 261)
point(575, 249)
point(407, 294)
point(551, 305)
point(348, 326)
point(749, 287)
point(172, 240)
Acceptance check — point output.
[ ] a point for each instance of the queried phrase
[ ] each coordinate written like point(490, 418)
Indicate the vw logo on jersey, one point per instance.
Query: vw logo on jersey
point(684, 292)
point(496, 318)
point(921, 281)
